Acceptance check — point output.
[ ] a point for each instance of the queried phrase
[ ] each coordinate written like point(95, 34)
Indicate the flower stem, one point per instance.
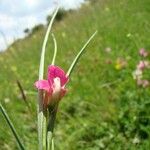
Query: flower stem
point(50, 127)
point(49, 140)
point(52, 148)
point(44, 131)
point(41, 117)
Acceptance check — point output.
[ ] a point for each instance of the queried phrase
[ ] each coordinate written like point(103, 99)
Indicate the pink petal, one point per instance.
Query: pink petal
point(42, 85)
point(141, 65)
point(55, 71)
point(63, 92)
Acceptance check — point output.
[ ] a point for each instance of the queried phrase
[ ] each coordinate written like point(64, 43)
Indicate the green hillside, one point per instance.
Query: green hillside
point(104, 107)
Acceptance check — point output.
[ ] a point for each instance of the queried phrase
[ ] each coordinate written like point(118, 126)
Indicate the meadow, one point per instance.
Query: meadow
point(104, 108)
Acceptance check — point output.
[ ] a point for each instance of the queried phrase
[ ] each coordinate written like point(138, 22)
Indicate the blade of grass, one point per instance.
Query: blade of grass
point(41, 116)
point(79, 55)
point(10, 124)
point(23, 95)
point(55, 49)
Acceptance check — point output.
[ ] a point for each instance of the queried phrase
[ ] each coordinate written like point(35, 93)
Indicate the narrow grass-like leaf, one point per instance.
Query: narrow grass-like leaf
point(79, 55)
point(53, 147)
point(44, 133)
point(23, 94)
point(49, 140)
point(41, 69)
point(55, 49)
point(10, 124)
point(41, 116)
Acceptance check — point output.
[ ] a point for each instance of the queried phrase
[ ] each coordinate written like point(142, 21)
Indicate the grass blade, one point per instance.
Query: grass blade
point(79, 55)
point(55, 49)
point(21, 146)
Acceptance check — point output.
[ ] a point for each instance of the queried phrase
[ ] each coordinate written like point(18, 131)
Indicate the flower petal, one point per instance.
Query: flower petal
point(42, 85)
point(54, 72)
point(63, 92)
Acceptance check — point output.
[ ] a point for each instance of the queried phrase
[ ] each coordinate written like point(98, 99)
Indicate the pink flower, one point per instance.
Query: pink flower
point(147, 64)
point(145, 83)
point(54, 86)
point(143, 52)
point(141, 65)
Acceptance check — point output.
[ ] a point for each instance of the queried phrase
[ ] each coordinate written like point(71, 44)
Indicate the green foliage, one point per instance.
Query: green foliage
point(59, 17)
point(37, 28)
point(27, 31)
point(104, 108)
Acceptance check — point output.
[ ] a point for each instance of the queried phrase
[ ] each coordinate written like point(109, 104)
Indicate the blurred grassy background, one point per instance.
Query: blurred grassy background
point(104, 108)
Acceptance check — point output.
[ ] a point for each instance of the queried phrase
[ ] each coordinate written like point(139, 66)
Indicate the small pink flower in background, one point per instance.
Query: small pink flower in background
point(143, 52)
point(143, 83)
point(141, 65)
point(140, 68)
point(147, 64)
point(54, 86)
point(146, 83)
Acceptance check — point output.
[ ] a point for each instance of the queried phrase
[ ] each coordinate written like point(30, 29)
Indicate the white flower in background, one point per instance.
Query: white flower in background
point(137, 74)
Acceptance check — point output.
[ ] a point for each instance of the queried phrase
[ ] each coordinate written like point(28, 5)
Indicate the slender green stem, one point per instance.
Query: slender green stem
point(21, 146)
point(41, 116)
point(55, 49)
point(49, 140)
point(41, 69)
point(50, 127)
point(40, 119)
point(79, 55)
point(52, 148)
point(44, 131)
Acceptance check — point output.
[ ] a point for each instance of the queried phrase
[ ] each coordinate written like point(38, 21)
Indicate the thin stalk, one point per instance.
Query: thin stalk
point(55, 49)
point(41, 116)
point(79, 55)
point(44, 130)
point(40, 119)
point(41, 69)
point(9, 122)
point(52, 148)
point(49, 139)
point(50, 127)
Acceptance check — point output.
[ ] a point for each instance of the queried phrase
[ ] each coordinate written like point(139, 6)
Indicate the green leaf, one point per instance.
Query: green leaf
point(10, 124)
point(79, 55)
